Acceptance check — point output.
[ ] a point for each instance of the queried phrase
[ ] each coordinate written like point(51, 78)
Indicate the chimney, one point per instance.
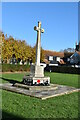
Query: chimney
point(76, 42)
point(79, 45)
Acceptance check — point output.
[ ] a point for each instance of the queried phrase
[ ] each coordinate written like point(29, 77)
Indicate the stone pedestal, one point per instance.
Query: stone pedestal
point(29, 80)
point(37, 71)
point(36, 76)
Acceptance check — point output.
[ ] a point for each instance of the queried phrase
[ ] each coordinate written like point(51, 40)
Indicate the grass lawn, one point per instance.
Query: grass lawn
point(57, 78)
point(19, 106)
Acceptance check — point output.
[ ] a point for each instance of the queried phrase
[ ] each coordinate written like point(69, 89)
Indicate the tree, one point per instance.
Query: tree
point(69, 50)
point(20, 49)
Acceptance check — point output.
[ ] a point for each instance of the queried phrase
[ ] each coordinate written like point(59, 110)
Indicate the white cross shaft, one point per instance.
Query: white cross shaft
point(38, 47)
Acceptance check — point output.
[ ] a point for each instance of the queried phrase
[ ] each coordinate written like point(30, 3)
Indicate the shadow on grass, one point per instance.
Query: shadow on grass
point(10, 116)
point(10, 81)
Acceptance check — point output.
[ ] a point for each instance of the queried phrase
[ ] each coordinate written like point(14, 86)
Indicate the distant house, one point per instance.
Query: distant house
point(53, 53)
point(67, 56)
point(75, 58)
point(53, 58)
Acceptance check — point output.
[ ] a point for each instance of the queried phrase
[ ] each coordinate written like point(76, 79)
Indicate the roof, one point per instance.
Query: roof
point(78, 52)
point(76, 55)
point(53, 53)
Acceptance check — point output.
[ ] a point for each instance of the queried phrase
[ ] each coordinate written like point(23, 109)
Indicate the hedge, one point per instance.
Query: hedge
point(63, 69)
point(59, 69)
point(13, 67)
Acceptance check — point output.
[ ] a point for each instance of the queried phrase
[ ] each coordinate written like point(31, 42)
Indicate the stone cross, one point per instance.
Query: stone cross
point(36, 76)
point(38, 47)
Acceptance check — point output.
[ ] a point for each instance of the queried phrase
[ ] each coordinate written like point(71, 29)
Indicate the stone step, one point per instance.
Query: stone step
point(40, 88)
point(41, 94)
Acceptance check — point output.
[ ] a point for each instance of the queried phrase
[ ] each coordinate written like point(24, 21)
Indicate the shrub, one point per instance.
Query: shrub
point(63, 69)
point(13, 67)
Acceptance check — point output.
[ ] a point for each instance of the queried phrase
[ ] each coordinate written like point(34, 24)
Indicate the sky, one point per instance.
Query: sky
point(59, 20)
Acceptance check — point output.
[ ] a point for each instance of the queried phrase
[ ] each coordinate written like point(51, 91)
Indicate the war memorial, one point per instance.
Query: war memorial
point(36, 84)
point(37, 71)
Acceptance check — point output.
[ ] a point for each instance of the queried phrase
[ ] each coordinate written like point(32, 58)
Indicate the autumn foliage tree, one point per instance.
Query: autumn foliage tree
point(19, 48)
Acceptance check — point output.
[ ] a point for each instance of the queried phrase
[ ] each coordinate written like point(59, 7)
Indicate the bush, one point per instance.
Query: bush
point(13, 68)
point(63, 69)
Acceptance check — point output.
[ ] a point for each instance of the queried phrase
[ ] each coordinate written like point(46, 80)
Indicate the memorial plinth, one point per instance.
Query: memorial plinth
point(36, 76)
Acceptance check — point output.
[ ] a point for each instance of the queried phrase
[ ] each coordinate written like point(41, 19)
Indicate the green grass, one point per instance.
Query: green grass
point(64, 79)
point(27, 107)
point(19, 106)
point(56, 78)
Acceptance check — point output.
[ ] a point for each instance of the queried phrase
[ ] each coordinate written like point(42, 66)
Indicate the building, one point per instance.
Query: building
point(53, 58)
point(75, 58)
point(77, 46)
